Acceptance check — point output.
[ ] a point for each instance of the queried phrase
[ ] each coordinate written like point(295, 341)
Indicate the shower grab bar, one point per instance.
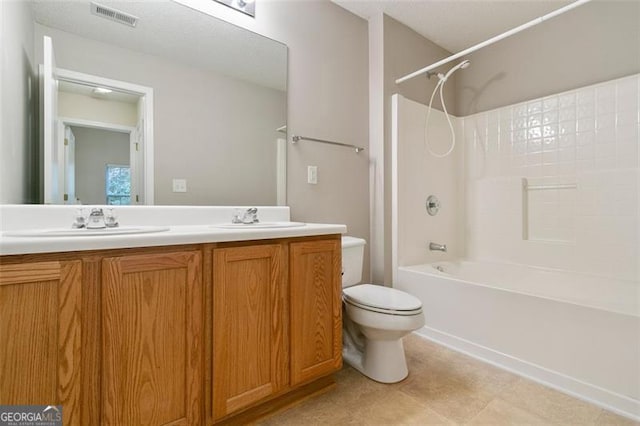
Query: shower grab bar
point(492, 40)
point(550, 186)
point(295, 139)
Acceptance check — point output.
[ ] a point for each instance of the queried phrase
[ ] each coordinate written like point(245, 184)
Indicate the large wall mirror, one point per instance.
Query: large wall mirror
point(181, 108)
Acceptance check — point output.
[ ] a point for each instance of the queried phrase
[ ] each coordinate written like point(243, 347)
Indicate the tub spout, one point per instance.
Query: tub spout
point(438, 247)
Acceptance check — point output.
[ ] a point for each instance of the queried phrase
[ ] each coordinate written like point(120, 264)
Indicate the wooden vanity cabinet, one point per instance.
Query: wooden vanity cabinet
point(40, 335)
point(316, 309)
point(250, 312)
point(180, 335)
point(276, 321)
point(152, 339)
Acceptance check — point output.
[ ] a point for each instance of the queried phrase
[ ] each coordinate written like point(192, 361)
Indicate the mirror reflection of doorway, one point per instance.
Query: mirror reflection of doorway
point(101, 160)
point(81, 108)
point(102, 166)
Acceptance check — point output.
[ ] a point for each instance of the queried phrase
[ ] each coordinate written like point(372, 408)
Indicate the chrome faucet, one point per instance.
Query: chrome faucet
point(438, 247)
point(248, 216)
point(96, 219)
point(99, 220)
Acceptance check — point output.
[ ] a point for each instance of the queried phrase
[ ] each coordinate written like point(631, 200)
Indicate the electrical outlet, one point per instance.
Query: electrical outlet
point(179, 185)
point(312, 174)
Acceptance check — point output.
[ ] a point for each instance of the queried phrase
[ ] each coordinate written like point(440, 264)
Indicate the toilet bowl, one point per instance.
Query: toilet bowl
point(375, 320)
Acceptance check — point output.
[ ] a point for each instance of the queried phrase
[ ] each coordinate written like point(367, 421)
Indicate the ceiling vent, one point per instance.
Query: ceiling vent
point(113, 14)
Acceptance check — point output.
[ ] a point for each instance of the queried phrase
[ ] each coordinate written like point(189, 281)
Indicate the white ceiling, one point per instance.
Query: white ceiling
point(455, 24)
point(170, 30)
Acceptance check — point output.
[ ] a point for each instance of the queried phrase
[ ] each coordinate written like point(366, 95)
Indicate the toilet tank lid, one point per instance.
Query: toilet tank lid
point(348, 241)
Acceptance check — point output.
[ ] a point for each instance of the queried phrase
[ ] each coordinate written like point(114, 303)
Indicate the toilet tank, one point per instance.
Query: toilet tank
point(352, 260)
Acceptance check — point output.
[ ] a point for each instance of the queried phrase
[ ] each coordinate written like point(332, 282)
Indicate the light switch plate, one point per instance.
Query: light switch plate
point(179, 185)
point(312, 174)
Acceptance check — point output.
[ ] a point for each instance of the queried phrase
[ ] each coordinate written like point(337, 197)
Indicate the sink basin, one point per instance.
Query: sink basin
point(67, 232)
point(260, 225)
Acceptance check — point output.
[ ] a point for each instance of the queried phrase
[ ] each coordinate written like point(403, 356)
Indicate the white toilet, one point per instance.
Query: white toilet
point(375, 320)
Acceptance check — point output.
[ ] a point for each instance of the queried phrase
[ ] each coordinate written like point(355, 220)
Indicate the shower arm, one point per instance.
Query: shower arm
point(492, 40)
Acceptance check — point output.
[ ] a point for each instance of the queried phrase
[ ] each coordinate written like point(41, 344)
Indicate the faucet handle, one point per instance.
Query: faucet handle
point(237, 216)
point(111, 219)
point(80, 219)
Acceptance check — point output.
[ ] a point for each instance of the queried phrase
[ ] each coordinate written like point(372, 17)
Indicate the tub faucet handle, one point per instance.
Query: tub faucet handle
point(437, 247)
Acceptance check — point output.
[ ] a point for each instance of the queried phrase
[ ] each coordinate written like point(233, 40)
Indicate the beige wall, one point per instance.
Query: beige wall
point(327, 99)
point(403, 51)
point(406, 51)
point(596, 42)
point(18, 116)
point(76, 105)
point(95, 148)
point(200, 122)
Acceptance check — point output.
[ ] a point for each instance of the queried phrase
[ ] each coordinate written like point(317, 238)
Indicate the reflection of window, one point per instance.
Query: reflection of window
point(118, 184)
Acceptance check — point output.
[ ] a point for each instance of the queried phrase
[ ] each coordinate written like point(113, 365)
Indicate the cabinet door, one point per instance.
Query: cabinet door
point(40, 335)
point(316, 309)
point(250, 360)
point(152, 339)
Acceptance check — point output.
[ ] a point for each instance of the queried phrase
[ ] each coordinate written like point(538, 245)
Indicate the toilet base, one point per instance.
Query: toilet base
point(382, 360)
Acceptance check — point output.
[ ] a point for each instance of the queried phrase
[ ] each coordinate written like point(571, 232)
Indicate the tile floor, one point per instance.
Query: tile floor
point(443, 387)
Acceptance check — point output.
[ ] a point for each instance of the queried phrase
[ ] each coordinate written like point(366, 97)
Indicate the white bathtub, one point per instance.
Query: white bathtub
point(577, 333)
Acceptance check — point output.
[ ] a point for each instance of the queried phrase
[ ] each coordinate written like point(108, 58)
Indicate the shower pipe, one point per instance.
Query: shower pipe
point(506, 34)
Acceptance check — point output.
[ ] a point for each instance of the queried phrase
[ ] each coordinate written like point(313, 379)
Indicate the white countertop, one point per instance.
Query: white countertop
point(175, 235)
point(187, 225)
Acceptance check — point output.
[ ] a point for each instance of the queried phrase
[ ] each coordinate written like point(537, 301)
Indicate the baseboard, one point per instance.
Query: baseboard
point(617, 403)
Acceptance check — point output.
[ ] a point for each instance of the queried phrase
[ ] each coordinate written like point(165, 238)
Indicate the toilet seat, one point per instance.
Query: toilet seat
point(381, 299)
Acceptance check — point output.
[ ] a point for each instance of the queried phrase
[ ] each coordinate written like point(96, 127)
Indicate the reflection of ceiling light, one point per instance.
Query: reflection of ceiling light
point(244, 6)
point(101, 91)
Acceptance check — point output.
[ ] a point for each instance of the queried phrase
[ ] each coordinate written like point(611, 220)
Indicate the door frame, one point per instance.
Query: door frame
point(144, 92)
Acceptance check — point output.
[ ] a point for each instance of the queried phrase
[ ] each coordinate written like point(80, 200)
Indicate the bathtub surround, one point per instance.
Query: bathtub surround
point(589, 138)
point(417, 176)
point(552, 183)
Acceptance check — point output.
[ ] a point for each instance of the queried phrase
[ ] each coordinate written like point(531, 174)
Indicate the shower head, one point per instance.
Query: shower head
point(462, 65)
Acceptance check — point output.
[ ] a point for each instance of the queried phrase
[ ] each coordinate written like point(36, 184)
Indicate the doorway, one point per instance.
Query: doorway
point(99, 164)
